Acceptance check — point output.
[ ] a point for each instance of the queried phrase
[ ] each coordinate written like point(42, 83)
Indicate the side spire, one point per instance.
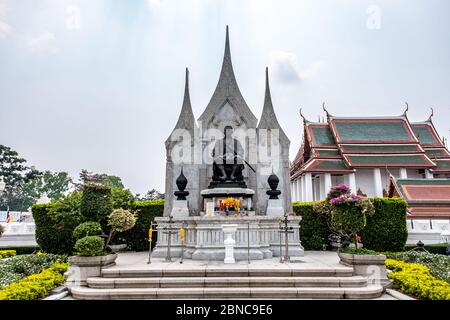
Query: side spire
point(186, 119)
point(268, 117)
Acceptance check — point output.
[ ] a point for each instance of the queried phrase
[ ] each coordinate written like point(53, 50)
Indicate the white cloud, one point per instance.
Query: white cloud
point(44, 43)
point(154, 3)
point(5, 29)
point(284, 66)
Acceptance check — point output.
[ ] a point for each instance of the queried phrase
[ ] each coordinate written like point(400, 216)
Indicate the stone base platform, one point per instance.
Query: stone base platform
point(256, 236)
point(317, 275)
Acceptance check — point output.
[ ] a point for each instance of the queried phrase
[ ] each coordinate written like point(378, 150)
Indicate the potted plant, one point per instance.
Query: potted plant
point(119, 220)
point(90, 254)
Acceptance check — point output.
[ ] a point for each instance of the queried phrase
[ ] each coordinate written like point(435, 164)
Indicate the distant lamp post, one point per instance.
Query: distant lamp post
point(446, 237)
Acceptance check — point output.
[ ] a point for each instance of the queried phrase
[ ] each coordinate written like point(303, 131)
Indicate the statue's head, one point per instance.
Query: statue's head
point(228, 131)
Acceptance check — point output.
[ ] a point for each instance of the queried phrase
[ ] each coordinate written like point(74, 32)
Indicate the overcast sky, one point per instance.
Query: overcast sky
point(98, 84)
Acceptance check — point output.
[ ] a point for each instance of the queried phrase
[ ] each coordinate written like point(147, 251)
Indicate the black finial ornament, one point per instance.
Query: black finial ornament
point(273, 183)
point(181, 184)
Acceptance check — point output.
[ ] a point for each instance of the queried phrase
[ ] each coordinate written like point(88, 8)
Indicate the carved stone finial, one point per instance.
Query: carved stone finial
point(273, 182)
point(431, 115)
point(324, 109)
point(407, 108)
point(181, 184)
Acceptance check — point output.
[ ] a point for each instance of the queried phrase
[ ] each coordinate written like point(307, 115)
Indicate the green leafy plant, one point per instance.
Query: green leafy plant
point(96, 202)
point(120, 220)
point(89, 228)
point(37, 285)
point(416, 280)
point(7, 253)
point(357, 251)
point(89, 246)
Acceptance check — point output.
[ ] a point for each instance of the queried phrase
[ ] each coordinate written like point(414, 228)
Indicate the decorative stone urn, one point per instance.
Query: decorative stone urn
point(229, 242)
point(82, 268)
point(369, 265)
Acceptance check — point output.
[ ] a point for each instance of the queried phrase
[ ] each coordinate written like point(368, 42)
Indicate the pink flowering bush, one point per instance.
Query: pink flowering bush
point(346, 212)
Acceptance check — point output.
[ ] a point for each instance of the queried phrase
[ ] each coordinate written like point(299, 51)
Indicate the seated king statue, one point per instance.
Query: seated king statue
point(228, 162)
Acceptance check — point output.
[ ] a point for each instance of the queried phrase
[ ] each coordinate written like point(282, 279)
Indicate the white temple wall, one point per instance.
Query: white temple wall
point(364, 181)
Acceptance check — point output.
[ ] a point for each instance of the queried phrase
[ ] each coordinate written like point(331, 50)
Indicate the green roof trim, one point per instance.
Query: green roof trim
point(372, 131)
point(380, 148)
point(382, 160)
point(436, 153)
point(424, 135)
point(328, 152)
point(331, 165)
point(323, 135)
point(443, 164)
point(423, 182)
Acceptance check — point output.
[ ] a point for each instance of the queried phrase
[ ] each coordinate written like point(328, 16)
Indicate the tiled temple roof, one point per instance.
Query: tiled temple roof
point(426, 197)
point(370, 142)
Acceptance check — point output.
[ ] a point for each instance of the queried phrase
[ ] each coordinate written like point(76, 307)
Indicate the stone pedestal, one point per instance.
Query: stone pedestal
point(180, 209)
point(229, 242)
point(204, 238)
point(275, 208)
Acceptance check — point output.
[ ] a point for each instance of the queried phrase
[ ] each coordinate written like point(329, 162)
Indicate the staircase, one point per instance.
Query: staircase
point(224, 282)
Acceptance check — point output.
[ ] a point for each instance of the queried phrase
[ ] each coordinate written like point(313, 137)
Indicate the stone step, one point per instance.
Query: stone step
point(205, 282)
point(228, 272)
point(368, 292)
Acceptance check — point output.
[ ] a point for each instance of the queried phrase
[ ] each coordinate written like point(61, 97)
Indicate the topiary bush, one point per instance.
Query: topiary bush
point(123, 198)
point(89, 246)
point(96, 202)
point(120, 220)
point(146, 211)
point(89, 228)
point(314, 229)
point(54, 230)
point(386, 229)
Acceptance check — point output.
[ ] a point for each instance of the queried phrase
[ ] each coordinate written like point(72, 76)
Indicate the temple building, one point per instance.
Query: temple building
point(364, 152)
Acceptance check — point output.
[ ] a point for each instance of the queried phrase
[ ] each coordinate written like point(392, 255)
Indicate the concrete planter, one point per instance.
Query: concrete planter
point(82, 268)
point(117, 247)
point(368, 265)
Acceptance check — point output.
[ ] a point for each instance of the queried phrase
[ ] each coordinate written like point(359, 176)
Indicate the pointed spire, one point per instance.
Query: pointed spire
point(406, 110)
point(431, 115)
point(228, 89)
point(186, 120)
point(268, 117)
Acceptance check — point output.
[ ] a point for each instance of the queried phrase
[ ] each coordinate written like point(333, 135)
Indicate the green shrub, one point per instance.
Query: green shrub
point(54, 230)
point(357, 251)
point(18, 267)
point(347, 220)
point(35, 286)
point(386, 229)
point(123, 198)
point(7, 253)
point(89, 228)
point(96, 202)
point(22, 250)
point(438, 264)
point(314, 230)
point(146, 211)
point(89, 246)
point(438, 248)
point(416, 280)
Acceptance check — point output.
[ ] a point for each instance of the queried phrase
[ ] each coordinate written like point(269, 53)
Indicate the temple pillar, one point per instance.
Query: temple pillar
point(428, 174)
point(303, 190)
point(308, 187)
point(327, 183)
point(403, 173)
point(352, 181)
point(378, 185)
point(294, 191)
point(299, 190)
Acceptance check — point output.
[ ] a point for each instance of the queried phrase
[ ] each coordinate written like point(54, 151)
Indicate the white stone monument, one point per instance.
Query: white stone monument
point(229, 230)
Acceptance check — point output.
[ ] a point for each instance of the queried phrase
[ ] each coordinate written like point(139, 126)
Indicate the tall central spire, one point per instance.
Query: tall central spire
point(227, 89)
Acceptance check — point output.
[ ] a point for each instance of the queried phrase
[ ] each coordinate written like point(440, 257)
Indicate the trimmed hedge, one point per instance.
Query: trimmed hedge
point(314, 229)
point(438, 248)
point(54, 232)
point(416, 280)
point(7, 253)
point(137, 237)
point(37, 285)
point(22, 250)
point(96, 202)
point(385, 230)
